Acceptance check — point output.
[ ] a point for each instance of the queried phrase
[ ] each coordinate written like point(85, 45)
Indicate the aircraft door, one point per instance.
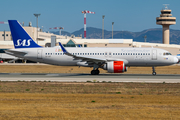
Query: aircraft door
point(154, 54)
point(39, 54)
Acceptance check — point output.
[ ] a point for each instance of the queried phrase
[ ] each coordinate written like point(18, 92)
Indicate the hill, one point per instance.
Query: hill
point(153, 35)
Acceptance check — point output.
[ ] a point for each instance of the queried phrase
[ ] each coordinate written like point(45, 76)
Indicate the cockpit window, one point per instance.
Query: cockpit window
point(167, 53)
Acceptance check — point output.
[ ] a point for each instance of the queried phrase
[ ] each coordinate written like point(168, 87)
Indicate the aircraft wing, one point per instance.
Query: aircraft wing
point(83, 58)
point(90, 59)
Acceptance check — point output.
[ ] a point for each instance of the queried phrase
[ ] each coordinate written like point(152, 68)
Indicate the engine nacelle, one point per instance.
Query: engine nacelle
point(115, 67)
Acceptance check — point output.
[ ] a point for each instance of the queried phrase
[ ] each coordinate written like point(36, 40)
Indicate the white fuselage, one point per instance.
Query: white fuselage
point(130, 56)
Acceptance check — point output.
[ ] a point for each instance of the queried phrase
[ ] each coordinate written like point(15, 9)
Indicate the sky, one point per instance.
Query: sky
point(127, 15)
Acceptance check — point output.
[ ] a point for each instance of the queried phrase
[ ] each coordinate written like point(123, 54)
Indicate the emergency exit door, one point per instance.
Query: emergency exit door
point(154, 54)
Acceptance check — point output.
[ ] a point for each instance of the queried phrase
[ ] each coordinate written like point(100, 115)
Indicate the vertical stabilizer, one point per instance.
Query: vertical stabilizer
point(20, 37)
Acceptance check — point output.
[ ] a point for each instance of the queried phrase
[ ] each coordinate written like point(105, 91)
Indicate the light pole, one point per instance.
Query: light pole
point(145, 37)
point(60, 28)
point(112, 29)
point(37, 15)
point(103, 26)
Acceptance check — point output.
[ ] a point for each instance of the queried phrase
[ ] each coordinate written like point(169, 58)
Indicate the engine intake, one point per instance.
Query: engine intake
point(115, 67)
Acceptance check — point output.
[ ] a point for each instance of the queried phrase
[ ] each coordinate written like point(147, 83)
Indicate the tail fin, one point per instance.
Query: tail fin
point(20, 37)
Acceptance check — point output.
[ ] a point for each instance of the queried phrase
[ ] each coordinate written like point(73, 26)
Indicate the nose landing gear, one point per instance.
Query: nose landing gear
point(154, 72)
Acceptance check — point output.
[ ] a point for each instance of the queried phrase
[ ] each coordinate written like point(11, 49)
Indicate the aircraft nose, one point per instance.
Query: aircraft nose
point(176, 60)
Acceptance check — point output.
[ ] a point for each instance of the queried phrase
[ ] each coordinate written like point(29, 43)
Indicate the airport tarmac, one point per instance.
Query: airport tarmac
point(75, 77)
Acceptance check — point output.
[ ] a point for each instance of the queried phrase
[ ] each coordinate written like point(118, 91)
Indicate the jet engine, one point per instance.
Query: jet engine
point(115, 67)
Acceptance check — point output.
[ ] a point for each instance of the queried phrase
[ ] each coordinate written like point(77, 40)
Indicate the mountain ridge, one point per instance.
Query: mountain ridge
point(154, 35)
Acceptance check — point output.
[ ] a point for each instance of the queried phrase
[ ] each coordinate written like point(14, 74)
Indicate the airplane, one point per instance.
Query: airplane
point(114, 60)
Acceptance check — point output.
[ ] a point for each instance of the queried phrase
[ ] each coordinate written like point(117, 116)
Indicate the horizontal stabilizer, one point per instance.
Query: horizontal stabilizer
point(13, 52)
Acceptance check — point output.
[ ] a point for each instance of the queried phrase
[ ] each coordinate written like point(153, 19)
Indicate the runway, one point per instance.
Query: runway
point(160, 78)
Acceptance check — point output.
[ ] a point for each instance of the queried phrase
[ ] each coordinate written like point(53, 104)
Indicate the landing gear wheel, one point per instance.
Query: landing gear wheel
point(154, 73)
point(95, 72)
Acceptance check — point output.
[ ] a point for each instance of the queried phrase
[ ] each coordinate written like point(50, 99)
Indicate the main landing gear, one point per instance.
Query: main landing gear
point(154, 72)
point(95, 72)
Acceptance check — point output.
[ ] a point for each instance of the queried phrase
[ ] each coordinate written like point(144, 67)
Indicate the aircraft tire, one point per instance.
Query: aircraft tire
point(95, 72)
point(154, 73)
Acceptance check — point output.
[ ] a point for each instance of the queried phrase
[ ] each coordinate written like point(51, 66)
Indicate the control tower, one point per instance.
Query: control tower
point(166, 20)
